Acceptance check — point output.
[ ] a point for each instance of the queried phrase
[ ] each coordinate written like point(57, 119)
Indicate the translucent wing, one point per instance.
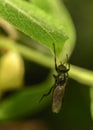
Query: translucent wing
point(58, 94)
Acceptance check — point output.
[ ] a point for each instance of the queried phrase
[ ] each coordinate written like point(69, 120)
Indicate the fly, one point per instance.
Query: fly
point(58, 88)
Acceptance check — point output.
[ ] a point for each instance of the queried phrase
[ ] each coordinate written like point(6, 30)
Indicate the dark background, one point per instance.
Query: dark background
point(82, 15)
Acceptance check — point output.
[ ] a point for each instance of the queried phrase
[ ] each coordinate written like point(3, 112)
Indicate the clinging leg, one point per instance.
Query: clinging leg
point(47, 93)
point(55, 57)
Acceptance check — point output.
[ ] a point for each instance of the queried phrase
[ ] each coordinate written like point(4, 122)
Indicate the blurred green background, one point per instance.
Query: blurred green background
point(75, 114)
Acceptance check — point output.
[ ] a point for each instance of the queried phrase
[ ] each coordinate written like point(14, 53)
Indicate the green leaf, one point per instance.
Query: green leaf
point(45, 5)
point(25, 102)
point(34, 22)
point(57, 9)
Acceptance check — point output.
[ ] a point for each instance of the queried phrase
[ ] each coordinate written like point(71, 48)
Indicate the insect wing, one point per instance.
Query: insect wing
point(58, 94)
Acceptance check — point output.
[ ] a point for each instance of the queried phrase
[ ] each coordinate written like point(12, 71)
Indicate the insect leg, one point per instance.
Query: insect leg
point(68, 63)
point(47, 93)
point(54, 76)
point(55, 57)
point(68, 66)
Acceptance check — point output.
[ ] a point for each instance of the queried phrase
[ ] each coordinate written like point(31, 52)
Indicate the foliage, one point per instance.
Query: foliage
point(42, 24)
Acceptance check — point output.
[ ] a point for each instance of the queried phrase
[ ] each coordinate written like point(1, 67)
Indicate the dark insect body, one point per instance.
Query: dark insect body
point(59, 85)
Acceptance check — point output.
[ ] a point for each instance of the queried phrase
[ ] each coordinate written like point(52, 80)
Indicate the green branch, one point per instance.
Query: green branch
point(28, 53)
point(81, 75)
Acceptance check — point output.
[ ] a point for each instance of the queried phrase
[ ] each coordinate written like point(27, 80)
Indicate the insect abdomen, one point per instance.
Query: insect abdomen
point(57, 98)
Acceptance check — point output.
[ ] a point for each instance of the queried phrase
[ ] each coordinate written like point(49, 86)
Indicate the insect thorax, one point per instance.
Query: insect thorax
point(61, 79)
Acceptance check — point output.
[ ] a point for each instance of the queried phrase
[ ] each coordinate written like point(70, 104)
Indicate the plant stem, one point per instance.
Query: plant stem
point(81, 75)
point(28, 53)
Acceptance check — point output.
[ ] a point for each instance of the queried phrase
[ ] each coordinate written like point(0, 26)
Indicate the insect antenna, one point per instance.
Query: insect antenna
point(55, 57)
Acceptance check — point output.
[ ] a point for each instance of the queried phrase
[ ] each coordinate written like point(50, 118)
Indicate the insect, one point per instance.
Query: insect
point(58, 88)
